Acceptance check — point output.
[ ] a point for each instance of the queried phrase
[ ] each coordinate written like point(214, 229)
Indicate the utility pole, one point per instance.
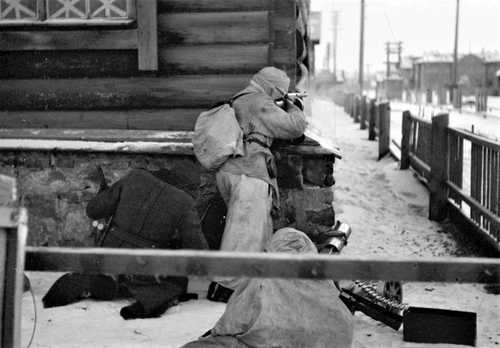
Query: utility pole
point(455, 51)
point(361, 46)
point(335, 35)
point(392, 48)
point(387, 60)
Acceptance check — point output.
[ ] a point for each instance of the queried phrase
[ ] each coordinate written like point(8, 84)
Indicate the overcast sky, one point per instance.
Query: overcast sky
point(422, 25)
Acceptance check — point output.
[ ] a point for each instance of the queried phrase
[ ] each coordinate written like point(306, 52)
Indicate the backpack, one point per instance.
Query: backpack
point(217, 136)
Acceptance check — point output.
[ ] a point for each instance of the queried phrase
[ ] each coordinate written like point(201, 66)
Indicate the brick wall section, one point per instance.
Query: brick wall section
point(52, 188)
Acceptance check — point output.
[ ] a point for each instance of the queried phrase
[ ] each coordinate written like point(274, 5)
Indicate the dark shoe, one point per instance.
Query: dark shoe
point(136, 310)
point(67, 289)
point(218, 293)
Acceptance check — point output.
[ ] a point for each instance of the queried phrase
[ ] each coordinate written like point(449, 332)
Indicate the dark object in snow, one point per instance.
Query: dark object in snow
point(430, 325)
point(492, 289)
point(72, 287)
point(136, 311)
point(218, 293)
point(26, 283)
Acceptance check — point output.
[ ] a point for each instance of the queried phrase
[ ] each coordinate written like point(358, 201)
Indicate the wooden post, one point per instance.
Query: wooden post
point(357, 108)
point(352, 110)
point(371, 119)
point(147, 35)
point(405, 140)
point(384, 136)
point(439, 168)
point(13, 233)
point(364, 109)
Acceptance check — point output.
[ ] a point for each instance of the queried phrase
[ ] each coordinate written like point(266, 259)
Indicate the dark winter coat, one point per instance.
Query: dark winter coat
point(147, 213)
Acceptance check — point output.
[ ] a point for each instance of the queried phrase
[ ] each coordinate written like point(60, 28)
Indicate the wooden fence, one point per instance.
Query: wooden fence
point(437, 153)
point(443, 158)
point(376, 114)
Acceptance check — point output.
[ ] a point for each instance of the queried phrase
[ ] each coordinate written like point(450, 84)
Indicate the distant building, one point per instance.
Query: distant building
point(492, 73)
point(434, 71)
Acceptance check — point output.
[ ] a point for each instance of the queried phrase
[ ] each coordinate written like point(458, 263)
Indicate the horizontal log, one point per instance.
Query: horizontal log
point(103, 135)
point(206, 59)
point(211, 5)
point(473, 203)
point(474, 138)
point(174, 148)
point(173, 60)
point(150, 141)
point(213, 27)
point(68, 40)
point(68, 64)
point(161, 119)
point(467, 225)
point(262, 265)
point(190, 91)
point(420, 165)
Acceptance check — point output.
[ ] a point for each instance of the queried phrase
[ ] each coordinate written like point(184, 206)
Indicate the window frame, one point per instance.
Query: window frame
point(41, 20)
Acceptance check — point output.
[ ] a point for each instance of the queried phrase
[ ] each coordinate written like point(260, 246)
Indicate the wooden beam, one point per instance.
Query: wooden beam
point(280, 265)
point(420, 166)
point(104, 135)
point(68, 40)
point(438, 196)
point(207, 59)
point(405, 140)
point(142, 119)
point(283, 22)
point(175, 148)
point(384, 129)
point(213, 27)
point(477, 139)
point(474, 203)
point(469, 228)
point(14, 265)
point(47, 64)
point(147, 35)
point(190, 91)
point(211, 5)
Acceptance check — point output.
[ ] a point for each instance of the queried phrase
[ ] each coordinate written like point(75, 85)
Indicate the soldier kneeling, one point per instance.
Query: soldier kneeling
point(142, 211)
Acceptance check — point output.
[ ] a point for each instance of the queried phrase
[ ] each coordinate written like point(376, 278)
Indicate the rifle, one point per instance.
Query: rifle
point(294, 98)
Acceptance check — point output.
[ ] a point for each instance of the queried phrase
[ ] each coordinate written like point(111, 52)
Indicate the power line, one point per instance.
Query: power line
point(390, 26)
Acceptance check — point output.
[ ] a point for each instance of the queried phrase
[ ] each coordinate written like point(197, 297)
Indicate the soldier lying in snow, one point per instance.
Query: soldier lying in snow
point(143, 212)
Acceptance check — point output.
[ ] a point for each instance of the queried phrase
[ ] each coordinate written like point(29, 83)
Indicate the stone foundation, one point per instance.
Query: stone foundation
point(51, 186)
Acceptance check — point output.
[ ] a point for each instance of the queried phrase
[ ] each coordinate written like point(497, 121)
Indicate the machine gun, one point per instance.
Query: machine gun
point(424, 325)
point(383, 305)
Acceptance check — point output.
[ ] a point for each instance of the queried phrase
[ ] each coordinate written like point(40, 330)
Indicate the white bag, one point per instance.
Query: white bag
point(217, 137)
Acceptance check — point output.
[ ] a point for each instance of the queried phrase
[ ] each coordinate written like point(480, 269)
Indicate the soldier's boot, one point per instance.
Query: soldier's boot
point(73, 287)
point(136, 310)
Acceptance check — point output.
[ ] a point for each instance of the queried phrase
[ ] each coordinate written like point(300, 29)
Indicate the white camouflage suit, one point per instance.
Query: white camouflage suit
point(245, 184)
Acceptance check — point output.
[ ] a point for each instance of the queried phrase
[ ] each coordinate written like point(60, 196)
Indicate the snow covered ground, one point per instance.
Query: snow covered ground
point(387, 209)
